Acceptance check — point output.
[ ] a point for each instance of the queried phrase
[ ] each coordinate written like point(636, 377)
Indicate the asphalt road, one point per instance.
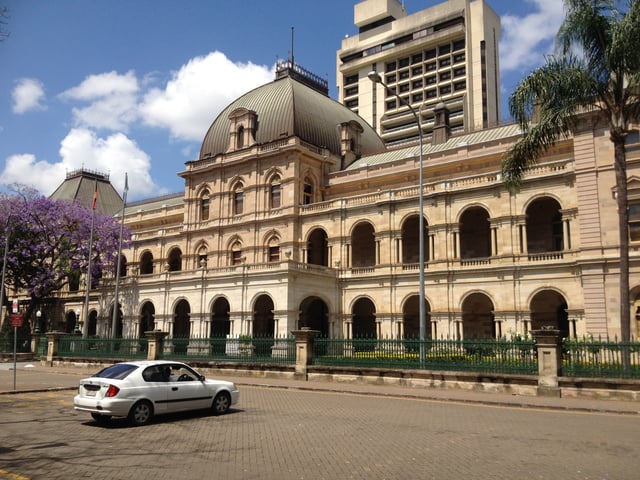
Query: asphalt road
point(278, 433)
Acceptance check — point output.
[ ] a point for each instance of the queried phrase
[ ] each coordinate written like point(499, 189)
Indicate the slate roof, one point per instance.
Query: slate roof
point(469, 139)
point(79, 186)
point(285, 108)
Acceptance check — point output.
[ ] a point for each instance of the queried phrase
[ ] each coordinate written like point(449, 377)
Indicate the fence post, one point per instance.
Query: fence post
point(53, 343)
point(155, 339)
point(304, 350)
point(549, 347)
point(35, 344)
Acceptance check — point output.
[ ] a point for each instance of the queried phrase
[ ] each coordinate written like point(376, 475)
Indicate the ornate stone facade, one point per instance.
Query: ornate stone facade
point(277, 234)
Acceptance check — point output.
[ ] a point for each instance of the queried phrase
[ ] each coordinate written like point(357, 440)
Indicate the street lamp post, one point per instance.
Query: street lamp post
point(376, 78)
point(77, 329)
point(38, 319)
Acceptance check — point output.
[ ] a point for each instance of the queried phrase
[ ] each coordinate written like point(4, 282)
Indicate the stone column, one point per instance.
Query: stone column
point(304, 350)
point(53, 342)
point(549, 346)
point(155, 339)
point(35, 343)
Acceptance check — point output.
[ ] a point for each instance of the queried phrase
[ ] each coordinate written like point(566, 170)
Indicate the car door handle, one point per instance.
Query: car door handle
point(174, 389)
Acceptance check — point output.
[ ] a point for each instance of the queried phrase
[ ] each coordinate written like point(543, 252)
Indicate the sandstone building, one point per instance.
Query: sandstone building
point(297, 214)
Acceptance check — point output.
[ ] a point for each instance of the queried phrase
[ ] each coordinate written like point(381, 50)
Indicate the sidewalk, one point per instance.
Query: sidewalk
point(34, 377)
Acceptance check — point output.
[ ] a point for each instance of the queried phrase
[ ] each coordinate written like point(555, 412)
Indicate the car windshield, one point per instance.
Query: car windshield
point(117, 371)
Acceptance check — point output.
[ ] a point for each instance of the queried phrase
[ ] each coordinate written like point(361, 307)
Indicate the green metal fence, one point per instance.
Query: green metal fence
point(581, 358)
point(270, 350)
point(129, 348)
point(589, 357)
point(43, 345)
point(481, 355)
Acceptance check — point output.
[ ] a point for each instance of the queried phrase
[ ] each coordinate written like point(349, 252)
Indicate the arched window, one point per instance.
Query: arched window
point(549, 308)
point(274, 193)
point(544, 226)
point(318, 248)
point(147, 318)
point(204, 206)
point(123, 266)
point(240, 137)
point(411, 240)
point(475, 234)
point(477, 317)
point(236, 253)
point(220, 322)
point(146, 263)
point(364, 324)
point(202, 257)
point(307, 193)
point(273, 249)
point(238, 200)
point(175, 260)
point(363, 245)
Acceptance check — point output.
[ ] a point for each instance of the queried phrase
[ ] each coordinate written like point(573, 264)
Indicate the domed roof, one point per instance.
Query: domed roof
point(287, 108)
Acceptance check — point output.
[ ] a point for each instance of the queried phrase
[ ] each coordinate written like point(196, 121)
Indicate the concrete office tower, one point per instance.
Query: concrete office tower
point(446, 53)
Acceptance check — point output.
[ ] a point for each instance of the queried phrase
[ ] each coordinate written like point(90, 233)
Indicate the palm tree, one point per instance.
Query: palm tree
point(596, 69)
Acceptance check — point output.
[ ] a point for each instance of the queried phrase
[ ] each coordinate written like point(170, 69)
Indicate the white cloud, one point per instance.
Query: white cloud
point(118, 103)
point(28, 95)
point(115, 155)
point(196, 93)
point(525, 40)
point(82, 148)
point(42, 175)
point(185, 106)
point(112, 101)
point(102, 85)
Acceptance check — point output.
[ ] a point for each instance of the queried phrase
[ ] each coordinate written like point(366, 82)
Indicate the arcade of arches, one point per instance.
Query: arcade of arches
point(477, 319)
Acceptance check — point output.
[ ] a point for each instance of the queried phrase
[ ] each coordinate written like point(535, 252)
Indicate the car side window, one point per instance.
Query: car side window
point(155, 373)
point(184, 375)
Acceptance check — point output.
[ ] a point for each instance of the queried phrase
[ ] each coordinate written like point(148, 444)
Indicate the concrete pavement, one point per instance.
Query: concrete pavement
point(33, 376)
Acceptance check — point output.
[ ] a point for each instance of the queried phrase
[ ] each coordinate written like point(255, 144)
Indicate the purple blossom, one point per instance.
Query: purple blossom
point(49, 242)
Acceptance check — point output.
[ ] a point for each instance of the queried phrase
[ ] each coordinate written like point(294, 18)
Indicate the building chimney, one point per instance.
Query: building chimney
point(441, 126)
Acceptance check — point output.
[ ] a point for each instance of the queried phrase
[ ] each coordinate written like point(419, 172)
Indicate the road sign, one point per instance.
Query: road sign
point(16, 320)
point(15, 306)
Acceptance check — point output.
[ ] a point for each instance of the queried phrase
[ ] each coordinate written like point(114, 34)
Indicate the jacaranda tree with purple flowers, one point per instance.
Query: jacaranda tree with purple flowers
point(49, 244)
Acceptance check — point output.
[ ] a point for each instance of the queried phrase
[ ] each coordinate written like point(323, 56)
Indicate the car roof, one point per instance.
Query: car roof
point(146, 363)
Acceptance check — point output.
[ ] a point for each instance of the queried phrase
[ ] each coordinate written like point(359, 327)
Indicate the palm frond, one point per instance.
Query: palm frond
point(587, 25)
point(624, 52)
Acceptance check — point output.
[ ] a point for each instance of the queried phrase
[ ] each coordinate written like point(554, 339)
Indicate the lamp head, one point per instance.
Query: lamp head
point(374, 76)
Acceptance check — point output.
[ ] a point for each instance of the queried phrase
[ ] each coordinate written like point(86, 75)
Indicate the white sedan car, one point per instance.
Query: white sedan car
point(140, 390)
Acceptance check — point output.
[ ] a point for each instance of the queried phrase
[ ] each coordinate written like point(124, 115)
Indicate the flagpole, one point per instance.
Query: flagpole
point(114, 320)
point(85, 315)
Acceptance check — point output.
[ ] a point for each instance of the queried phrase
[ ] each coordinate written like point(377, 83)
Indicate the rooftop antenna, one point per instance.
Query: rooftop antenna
point(293, 62)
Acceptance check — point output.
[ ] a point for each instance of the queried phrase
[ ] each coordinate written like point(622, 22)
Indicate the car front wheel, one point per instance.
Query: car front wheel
point(221, 403)
point(141, 413)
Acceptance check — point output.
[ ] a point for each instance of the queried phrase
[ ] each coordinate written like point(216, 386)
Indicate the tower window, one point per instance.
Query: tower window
point(204, 207)
point(238, 201)
point(275, 194)
point(307, 195)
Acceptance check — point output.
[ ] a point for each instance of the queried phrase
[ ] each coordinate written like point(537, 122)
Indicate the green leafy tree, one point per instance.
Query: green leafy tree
point(596, 69)
point(48, 244)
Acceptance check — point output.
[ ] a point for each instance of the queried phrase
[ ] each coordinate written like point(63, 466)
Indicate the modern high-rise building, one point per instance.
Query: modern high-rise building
point(447, 53)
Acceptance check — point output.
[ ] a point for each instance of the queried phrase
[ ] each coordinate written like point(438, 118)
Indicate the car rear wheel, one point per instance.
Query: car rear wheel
point(101, 419)
point(221, 403)
point(141, 413)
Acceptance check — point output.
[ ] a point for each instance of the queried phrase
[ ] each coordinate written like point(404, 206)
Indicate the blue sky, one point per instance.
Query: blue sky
point(131, 86)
